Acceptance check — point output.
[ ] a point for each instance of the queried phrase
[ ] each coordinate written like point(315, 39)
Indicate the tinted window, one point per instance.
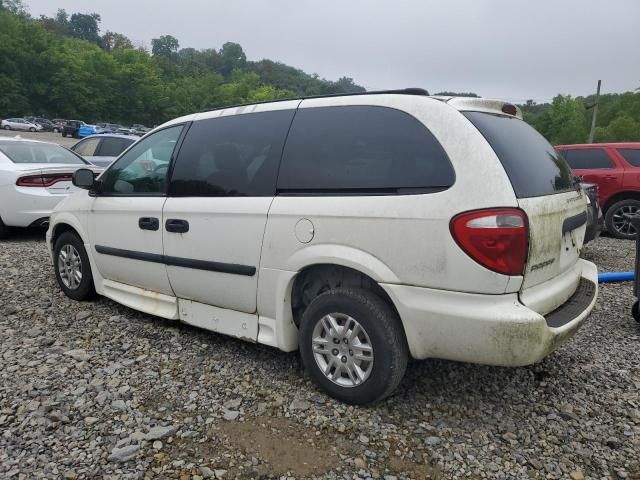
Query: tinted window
point(532, 164)
point(32, 152)
point(143, 169)
point(631, 155)
point(112, 147)
point(587, 158)
point(235, 155)
point(362, 149)
point(86, 148)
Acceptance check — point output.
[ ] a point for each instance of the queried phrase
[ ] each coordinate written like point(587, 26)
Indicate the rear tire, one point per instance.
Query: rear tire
point(614, 221)
point(353, 345)
point(635, 311)
point(64, 134)
point(72, 267)
point(7, 127)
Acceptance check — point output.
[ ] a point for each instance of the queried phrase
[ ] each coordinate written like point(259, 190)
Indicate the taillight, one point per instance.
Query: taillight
point(43, 180)
point(496, 238)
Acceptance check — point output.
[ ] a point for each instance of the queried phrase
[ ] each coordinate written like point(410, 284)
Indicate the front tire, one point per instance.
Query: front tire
point(353, 345)
point(614, 220)
point(7, 127)
point(31, 129)
point(72, 267)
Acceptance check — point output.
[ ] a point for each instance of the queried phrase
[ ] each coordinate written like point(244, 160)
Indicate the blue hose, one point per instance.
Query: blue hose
point(609, 277)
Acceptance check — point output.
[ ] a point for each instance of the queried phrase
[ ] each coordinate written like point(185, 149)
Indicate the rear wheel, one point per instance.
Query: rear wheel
point(353, 345)
point(7, 127)
point(55, 130)
point(615, 222)
point(635, 311)
point(72, 268)
point(64, 134)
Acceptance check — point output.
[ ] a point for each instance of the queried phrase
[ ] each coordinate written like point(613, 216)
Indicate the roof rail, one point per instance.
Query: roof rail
point(400, 91)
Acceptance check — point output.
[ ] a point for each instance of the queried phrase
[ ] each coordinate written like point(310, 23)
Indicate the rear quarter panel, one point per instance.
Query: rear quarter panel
point(401, 239)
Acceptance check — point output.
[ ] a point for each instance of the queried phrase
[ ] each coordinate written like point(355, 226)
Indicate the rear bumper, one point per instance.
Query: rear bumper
point(489, 329)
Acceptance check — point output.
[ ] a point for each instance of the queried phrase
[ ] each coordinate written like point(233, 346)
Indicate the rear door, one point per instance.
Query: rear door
point(595, 165)
point(554, 203)
point(222, 186)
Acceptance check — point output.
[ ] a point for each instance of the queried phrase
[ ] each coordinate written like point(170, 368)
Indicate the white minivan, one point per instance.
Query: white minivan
point(360, 229)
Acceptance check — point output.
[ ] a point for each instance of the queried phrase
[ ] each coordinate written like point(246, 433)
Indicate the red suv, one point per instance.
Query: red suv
point(615, 168)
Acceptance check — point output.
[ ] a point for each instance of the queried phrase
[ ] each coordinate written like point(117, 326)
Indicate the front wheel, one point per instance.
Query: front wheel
point(64, 134)
point(615, 221)
point(72, 268)
point(31, 129)
point(55, 130)
point(353, 345)
point(7, 127)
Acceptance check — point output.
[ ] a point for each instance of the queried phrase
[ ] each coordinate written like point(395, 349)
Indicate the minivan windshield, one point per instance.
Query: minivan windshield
point(35, 152)
point(532, 164)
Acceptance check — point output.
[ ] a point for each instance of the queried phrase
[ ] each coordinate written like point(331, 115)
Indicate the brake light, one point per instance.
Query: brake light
point(496, 238)
point(43, 180)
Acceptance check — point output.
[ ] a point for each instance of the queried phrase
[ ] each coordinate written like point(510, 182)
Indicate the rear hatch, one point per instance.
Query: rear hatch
point(553, 201)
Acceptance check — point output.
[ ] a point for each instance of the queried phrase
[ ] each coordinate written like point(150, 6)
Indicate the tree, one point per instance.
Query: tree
point(232, 58)
point(16, 7)
point(85, 27)
point(165, 46)
point(115, 41)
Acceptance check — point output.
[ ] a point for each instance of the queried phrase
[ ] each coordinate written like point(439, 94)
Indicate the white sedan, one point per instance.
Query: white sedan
point(20, 124)
point(34, 177)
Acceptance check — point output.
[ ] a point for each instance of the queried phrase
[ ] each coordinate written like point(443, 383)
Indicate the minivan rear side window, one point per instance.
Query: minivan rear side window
point(532, 164)
point(587, 158)
point(362, 149)
point(231, 156)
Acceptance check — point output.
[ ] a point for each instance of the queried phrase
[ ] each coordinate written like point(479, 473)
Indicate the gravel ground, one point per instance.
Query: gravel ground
point(43, 136)
point(96, 390)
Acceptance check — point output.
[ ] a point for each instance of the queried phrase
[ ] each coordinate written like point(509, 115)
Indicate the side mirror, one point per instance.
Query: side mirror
point(83, 178)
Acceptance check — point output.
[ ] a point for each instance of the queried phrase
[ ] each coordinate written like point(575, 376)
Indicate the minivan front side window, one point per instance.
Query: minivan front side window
point(143, 169)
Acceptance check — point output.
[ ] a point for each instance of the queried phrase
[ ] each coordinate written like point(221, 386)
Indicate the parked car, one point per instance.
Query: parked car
point(615, 168)
point(47, 125)
point(595, 219)
point(72, 128)
point(19, 124)
point(34, 177)
point(102, 150)
point(139, 130)
point(359, 229)
point(126, 131)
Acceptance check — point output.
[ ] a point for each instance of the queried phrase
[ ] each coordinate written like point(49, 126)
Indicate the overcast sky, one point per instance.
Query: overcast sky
point(510, 49)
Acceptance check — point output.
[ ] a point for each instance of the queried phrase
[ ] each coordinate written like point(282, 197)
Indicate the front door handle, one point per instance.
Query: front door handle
point(148, 223)
point(176, 225)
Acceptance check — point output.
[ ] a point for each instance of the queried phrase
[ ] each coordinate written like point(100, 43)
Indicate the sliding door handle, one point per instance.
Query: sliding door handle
point(176, 225)
point(148, 223)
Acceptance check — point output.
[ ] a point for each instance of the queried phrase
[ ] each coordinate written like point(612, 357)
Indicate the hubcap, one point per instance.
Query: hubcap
point(342, 350)
point(70, 267)
point(621, 224)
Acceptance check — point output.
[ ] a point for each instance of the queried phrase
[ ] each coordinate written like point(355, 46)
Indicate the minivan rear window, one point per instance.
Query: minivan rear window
point(532, 164)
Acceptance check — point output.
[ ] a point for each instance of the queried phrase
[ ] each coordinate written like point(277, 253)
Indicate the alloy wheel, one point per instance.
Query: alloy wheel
point(342, 350)
point(621, 224)
point(70, 266)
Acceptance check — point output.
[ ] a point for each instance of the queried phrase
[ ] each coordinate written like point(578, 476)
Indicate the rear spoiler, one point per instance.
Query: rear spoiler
point(474, 104)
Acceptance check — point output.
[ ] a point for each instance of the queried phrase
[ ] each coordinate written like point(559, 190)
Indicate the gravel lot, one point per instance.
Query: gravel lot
point(96, 390)
point(43, 136)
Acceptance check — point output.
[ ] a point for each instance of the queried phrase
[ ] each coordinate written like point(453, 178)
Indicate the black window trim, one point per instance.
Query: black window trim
point(365, 192)
point(185, 127)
